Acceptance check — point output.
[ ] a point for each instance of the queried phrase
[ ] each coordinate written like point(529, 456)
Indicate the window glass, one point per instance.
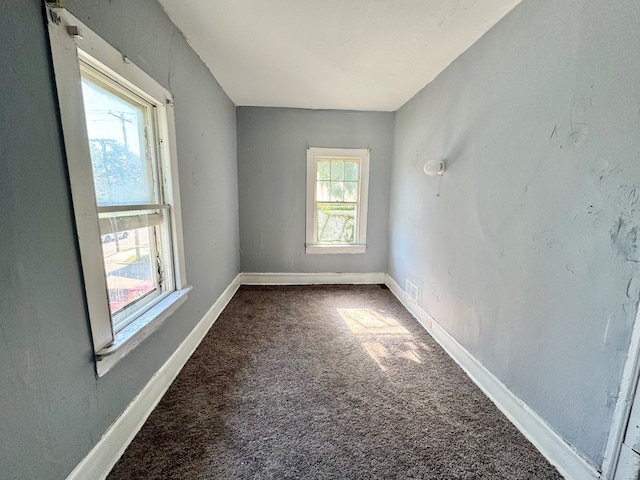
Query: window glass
point(351, 171)
point(335, 223)
point(128, 266)
point(336, 206)
point(119, 127)
point(337, 193)
point(350, 191)
point(324, 170)
point(132, 272)
point(117, 130)
point(337, 170)
point(323, 191)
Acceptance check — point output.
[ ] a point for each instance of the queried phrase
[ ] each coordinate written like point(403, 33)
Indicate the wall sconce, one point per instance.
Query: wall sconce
point(434, 167)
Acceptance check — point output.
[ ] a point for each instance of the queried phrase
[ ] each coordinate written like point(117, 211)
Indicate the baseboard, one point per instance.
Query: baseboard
point(101, 459)
point(310, 278)
point(559, 453)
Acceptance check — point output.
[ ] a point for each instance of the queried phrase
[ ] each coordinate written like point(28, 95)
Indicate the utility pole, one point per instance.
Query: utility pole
point(120, 116)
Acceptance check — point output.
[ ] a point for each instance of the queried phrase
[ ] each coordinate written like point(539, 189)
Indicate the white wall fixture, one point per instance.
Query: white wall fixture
point(434, 167)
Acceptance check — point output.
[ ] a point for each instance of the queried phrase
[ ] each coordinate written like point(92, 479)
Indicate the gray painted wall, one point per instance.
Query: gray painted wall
point(272, 165)
point(529, 256)
point(53, 410)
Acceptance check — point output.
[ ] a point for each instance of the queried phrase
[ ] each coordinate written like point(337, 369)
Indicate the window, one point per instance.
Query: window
point(119, 138)
point(337, 185)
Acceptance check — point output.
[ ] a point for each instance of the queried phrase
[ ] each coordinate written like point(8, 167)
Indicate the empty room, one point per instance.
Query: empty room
point(282, 239)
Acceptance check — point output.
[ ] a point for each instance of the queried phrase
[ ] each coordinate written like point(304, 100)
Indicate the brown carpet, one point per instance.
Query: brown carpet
point(325, 382)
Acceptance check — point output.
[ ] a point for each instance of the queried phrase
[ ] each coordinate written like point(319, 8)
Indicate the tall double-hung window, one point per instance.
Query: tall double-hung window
point(337, 186)
point(120, 144)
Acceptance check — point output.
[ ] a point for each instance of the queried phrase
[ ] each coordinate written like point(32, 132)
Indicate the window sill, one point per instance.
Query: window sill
point(325, 249)
point(133, 334)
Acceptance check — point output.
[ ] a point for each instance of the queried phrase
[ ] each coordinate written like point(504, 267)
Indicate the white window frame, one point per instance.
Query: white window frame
point(71, 41)
point(363, 156)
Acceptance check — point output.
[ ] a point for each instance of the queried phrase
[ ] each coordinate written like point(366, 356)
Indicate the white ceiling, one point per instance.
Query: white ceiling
point(331, 54)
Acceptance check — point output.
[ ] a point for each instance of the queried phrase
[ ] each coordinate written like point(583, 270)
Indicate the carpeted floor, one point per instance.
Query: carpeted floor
point(325, 382)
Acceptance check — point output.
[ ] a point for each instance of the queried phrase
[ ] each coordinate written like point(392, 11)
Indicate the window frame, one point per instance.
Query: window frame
point(363, 155)
point(71, 43)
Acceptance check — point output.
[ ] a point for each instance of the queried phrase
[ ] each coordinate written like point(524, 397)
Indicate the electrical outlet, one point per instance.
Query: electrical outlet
point(412, 290)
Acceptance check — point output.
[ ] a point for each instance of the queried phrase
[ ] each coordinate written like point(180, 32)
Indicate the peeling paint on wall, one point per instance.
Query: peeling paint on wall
point(624, 232)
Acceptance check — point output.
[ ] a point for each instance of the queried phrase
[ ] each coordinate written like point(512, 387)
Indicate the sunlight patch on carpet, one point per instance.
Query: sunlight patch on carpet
point(387, 342)
point(369, 322)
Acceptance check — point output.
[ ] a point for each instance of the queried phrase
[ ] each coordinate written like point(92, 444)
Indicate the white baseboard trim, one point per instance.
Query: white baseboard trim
point(310, 278)
point(559, 453)
point(104, 455)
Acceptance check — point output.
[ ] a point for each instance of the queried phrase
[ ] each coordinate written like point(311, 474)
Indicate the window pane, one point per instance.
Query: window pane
point(335, 223)
point(130, 263)
point(337, 191)
point(337, 170)
point(322, 191)
point(351, 171)
point(324, 170)
point(116, 125)
point(350, 191)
